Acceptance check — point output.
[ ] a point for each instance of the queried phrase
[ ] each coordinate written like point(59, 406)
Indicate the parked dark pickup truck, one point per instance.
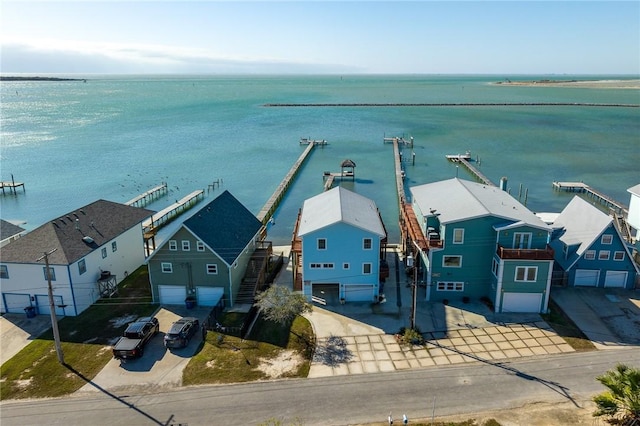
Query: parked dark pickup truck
point(136, 336)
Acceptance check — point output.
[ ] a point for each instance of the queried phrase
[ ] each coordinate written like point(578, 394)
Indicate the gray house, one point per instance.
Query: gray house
point(206, 259)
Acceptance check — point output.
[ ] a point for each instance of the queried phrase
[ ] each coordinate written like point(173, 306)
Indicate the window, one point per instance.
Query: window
point(494, 267)
point(521, 240)
point(321, 265)
point(322, 243)
point(4, 271)
point(458, 236)
point(526, 273)
point(52, 273)
point(173, 245)
point(450, 286)
point(327, 265)
point(367, 244)
point(345, 266)
point(104, 252)
point(452, 261)
point(606, 239)
point(186, 245)
point(167, 267)
point(590, 255)
point(82, 267)
point(366, 268)
point(604, 255)
point(212, 269)
point(199, 246)
point(618, 255)
point(114, 246)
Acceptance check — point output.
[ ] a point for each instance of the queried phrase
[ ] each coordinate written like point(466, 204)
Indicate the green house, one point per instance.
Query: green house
point(482, 244)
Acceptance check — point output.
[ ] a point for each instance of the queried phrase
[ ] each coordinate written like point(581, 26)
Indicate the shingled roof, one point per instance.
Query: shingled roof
point(8, 230)
point(225, 226)
point(101, 220)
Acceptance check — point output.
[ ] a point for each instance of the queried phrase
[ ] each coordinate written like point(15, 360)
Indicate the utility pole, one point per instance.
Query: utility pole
point(52, 307)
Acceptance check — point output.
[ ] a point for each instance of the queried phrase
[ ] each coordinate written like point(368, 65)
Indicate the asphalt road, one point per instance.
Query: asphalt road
point(457, 389)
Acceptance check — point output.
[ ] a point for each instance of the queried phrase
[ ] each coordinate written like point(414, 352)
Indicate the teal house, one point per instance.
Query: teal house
point(590, 249)
point(342, 239)
point(207, 257)
point(482, 244)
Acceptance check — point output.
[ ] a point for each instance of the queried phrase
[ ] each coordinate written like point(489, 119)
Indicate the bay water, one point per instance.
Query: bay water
point(114, 137)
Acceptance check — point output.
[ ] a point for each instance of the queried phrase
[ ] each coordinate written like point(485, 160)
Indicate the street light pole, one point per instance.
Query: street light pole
point(52, 307)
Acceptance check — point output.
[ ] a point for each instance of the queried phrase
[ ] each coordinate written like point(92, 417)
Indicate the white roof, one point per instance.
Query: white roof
point(340, 205)
point(582, 224)
point(455, 200)
point(635, 190)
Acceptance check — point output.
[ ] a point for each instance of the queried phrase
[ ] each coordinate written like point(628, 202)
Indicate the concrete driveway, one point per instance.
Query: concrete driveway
point(159, 368)
point(17, 331)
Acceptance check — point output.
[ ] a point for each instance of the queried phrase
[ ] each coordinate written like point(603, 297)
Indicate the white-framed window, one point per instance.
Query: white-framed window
point(104, 252)
point(367, 244)
point(366, 268)
point(4, 271)
point(618, 255)
point(173, 245)
point(212, 269)
point(452, 261)
point(186, 245)
point(458, 236)
point(450, 286)
point(526, 273)
point(322, 243)
point(494, 267)
point(604, 255)
point(522, 240)
point(199, 246)
point(590, 255)
point(346, 265)
point(52, 273)
point(114, 246)
point(167, 267)
point(606, 239)
point(82, 267)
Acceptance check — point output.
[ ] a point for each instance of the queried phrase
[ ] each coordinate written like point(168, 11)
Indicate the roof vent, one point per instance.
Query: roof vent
point(87, 239)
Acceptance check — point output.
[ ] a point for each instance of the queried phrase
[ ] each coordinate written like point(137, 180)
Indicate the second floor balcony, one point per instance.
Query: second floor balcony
point(525, 254)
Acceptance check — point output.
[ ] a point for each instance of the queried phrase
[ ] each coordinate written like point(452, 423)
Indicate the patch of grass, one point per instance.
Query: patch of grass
point(228, 359)
point(567, 329)
point(85, 339)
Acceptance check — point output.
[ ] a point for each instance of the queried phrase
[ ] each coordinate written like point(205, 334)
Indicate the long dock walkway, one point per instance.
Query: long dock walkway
point(162, 217)
point(463, 159)
point(272, 203)
point(593, 193)
point(146, 197)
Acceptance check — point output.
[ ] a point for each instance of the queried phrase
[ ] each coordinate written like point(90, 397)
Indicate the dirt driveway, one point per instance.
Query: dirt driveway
point(159, 368)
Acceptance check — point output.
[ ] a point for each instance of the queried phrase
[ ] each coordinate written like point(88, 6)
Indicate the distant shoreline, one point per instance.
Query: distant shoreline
point(594, 84)
point(14, 78)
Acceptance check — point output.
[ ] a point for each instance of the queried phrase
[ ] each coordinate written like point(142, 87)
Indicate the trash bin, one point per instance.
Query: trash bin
point(30, 311)
point(190, 302)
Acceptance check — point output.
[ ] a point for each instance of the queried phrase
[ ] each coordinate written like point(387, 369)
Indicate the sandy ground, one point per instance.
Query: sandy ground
point(534, 414)
point(595, 84)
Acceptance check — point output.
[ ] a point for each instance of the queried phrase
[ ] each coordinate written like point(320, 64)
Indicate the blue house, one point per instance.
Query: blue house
point(590, 249)
point(482, 244)
point(342, 236)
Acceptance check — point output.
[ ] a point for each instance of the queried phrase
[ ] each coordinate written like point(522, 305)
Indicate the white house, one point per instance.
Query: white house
point(102, 241)
point(9, 232)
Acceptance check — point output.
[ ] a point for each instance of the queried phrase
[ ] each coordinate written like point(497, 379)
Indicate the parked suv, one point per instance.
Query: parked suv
point(181, 332)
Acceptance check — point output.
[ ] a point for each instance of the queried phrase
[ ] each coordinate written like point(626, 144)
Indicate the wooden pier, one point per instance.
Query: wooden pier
point(398, 139)
point(464, 160)
point(148, 196)
point(309, 141)
point(602, 198)
point(12, 186)
point(272, 203)
point(165, 215)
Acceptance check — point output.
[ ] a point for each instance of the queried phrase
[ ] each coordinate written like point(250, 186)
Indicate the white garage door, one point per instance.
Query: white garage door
point(522, 302)
point(358, 292)
point(586, 277)
point(172, 294)
point(44, 307)
point(615, 279)
point(15, 303)
point(209, 296)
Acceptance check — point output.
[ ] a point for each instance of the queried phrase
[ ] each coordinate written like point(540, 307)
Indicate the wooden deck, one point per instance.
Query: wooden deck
point(464, 160)
point(148, 196)
point(165, 215)
point(12, 186)
point(602, 198)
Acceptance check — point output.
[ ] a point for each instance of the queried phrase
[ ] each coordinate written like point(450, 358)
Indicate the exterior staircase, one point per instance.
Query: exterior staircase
point(256, 273)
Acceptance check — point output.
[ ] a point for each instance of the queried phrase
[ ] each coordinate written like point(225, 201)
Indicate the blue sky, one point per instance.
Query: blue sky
point(418, 37)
